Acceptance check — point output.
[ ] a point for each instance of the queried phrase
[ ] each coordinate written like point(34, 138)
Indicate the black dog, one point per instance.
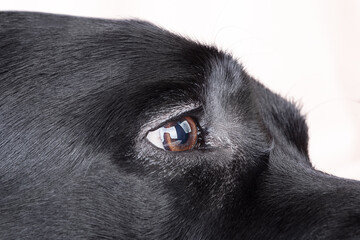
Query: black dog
point(122, 130)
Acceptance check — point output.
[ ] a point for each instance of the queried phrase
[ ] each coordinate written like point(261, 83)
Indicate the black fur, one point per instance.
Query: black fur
point(77, 97)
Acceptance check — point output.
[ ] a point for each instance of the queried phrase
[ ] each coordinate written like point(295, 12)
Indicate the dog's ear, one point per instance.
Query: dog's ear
point(285, 115)
point(293, 124)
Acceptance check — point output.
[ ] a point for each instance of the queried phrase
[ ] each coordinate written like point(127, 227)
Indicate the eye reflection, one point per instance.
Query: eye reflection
point(176, 135)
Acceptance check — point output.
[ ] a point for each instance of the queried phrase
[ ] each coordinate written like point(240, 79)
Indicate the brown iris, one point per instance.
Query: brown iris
point(179, 135)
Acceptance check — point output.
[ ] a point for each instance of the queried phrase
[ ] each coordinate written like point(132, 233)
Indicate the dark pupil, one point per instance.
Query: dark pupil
point(181, 134)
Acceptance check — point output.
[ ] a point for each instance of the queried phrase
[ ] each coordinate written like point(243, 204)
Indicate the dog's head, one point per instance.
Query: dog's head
point(120, 129)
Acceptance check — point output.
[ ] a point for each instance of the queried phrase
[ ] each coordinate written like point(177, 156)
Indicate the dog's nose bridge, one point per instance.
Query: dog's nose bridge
point(300, 197)
point(341, 206)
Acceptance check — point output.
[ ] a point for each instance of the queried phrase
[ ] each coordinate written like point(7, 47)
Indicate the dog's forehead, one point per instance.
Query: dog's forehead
point(169, 63)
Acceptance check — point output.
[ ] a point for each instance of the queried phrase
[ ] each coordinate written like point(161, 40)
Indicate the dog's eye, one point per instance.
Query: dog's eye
point(181, 135)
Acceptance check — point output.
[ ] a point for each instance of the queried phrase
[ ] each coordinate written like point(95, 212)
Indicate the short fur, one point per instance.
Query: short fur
point(77, 97)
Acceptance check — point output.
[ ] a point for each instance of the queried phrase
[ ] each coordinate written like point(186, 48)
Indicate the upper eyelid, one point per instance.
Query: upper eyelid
point(163, 116)
point(174, 118)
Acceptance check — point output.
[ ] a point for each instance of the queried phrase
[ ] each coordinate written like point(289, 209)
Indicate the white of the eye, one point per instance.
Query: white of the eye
point(155, 139)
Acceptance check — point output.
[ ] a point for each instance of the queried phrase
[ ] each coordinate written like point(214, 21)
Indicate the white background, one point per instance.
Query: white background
point(308, 50)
